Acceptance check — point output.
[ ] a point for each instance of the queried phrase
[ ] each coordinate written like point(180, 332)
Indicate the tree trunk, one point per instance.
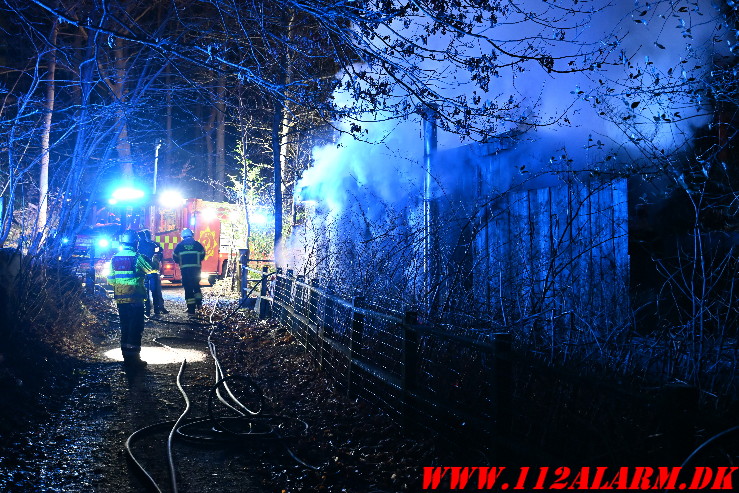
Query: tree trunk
point(209, 145)
point(220, 138)
point(43, 183)
point(280, 127)
point(123, 145)
point(277, 162)
point(167, 161)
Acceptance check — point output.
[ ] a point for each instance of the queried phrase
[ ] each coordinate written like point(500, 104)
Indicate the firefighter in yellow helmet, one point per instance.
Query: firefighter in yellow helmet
point(128, 269)
point(189, 254)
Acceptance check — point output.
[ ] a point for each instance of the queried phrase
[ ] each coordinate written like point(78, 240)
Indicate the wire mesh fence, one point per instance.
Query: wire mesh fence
point(471, 385)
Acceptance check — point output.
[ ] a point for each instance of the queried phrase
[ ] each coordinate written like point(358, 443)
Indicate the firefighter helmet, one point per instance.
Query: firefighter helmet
point(145, 234)
point(187, 233)
point(129, 237)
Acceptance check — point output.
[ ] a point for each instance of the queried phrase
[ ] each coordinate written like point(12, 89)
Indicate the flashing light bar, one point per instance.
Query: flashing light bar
point(126, 194)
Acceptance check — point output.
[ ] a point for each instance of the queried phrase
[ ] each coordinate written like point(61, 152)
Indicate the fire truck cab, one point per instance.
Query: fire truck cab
point(211, 222)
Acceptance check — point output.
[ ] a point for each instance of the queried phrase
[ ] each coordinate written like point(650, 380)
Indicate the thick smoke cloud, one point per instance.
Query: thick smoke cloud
point(584, 119)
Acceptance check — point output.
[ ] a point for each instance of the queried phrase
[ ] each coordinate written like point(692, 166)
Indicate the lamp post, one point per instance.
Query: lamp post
point(156, 166)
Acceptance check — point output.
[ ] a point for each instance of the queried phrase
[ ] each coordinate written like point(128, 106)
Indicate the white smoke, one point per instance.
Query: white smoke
point(582, 117)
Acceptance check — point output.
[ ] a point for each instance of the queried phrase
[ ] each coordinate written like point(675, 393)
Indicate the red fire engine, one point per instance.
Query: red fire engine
point(212, 223)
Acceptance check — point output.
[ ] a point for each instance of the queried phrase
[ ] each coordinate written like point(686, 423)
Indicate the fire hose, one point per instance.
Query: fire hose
point(250, 422)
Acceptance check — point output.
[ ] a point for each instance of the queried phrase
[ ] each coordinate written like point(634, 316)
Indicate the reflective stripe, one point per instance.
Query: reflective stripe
point(119, 275)
point(133, 296)
point(129, 300)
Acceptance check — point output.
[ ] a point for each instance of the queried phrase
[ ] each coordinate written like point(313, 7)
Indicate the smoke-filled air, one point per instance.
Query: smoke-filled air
point(614, 91)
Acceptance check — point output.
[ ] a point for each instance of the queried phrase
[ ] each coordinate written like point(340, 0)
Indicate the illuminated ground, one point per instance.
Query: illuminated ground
point(78, 445)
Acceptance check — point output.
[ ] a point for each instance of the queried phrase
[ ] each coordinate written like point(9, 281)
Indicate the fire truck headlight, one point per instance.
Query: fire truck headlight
point(208, 214)
point(170, 199)
point(105, 271)
point(204, 275)
point(103, 243)
point(65, 240)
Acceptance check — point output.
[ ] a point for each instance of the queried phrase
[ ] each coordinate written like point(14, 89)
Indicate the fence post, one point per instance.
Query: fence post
point(288, 300)
point(313, 301)
point(503, 386)
point(279, 287)
point(299, 307)
point(326, 325)
point(244, 274)
point(312, 327)
point(263, 308)
point(355, 342)
point(263, 287)
point(299, 293)
point(409, 365)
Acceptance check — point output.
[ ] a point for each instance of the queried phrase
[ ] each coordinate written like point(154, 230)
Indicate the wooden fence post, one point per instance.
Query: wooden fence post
point(355, 342)
point(313, 301)
point(327, 324)
point(263, 287)
point(279, 281)
point(409, 366)
point(287, 294)
point(243, 274)
point(299, 307)
point(263, 308)
point(312, 328)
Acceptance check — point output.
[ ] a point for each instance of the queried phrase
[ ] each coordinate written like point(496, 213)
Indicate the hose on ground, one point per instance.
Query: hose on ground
point(249, 423)
point(170, 457)
point(706, 443)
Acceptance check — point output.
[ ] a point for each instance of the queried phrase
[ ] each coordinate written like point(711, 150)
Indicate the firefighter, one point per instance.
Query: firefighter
point(128, 269)
point(189, 254)
point(153, 253)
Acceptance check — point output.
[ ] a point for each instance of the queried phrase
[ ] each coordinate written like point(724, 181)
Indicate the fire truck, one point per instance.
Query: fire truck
point(214, 224)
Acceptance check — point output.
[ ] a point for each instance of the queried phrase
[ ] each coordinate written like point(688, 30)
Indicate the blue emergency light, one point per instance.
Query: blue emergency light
point(126, 195)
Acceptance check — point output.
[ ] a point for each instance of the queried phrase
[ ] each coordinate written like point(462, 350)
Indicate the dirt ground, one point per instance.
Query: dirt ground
point(72, 437)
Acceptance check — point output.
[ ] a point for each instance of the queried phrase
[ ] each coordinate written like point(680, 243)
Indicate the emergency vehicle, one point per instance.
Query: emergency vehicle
point(214, 224)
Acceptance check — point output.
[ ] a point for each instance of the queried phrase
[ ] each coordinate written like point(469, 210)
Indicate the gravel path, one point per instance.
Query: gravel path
point(81, 448)
point(336, 443)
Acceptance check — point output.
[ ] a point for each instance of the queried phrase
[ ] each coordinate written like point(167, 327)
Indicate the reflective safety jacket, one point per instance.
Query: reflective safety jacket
point(128, 270)
point(189, 253)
